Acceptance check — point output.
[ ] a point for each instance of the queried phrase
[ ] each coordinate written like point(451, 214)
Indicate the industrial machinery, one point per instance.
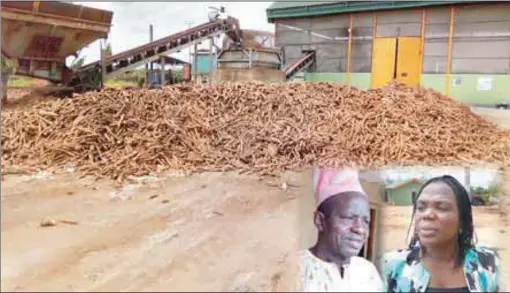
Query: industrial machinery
point(302, 63)
point(258, 59)
point(216, 13)
point(38, 36)
point(125, 61)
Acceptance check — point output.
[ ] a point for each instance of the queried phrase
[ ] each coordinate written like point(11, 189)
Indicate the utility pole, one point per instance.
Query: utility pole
point(467, 180)
point(189, 23)
point(211, 64)
point(149, 65)
point(102, 45)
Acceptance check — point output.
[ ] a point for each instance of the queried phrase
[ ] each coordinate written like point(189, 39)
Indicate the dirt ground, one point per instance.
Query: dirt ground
point(205, 232)
point(18, 98)
point(220, 232)
point(500, 117)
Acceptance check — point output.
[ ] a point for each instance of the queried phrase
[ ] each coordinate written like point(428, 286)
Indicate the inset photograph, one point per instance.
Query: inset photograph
point(339, 232)
point(415, 229)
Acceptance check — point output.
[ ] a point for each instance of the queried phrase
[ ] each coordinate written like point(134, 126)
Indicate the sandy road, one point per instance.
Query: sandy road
point(498, 116)
point(205, 232)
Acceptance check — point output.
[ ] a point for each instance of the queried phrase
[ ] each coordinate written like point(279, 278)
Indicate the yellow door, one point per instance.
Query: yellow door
point(383, 61)
point(409, 60)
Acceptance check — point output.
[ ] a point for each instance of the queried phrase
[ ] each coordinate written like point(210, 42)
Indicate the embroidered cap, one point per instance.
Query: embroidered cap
point(330, 182)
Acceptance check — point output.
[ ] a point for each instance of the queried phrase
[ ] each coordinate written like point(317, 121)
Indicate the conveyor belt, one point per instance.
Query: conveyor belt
point(300, 64)
point(127, 60)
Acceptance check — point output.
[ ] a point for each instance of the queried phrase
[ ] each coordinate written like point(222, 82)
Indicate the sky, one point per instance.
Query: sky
point(481, 177)
point(131, 20)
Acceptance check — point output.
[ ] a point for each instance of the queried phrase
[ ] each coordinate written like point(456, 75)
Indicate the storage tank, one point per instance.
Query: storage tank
point(249, 65)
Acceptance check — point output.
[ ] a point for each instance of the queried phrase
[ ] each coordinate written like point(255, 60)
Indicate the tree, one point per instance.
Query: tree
point(495, 189)
point(108, 49)
point(78, 62)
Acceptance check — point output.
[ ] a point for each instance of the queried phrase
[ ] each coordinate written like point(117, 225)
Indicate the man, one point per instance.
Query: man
point(342, 218)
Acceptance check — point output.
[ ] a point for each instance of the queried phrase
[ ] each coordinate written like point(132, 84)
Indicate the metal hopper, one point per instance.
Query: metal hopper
point(37, 36)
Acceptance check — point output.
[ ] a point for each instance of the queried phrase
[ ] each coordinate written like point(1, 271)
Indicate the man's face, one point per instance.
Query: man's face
point(347, 227)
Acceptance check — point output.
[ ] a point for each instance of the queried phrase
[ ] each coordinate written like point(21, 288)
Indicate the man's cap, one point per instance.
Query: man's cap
point(329, 182)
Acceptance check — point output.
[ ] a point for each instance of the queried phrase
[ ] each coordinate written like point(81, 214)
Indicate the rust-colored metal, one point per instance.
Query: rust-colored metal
point(450, 46)
point(121, 62)
point(306, 60)
point(44, 47)
point(186, 72)
point(423, 24)
point(35, 6)
point(37, 36)
point(55, 10)
point(210, 26)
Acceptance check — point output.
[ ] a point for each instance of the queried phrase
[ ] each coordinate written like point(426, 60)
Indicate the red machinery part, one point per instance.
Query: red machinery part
point(51, 32)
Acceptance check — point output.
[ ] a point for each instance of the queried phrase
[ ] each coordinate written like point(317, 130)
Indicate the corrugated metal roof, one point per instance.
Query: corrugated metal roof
point(290, 4)
point(306, 9)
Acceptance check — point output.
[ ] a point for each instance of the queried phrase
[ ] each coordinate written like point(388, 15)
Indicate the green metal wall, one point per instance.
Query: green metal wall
point(359, 80)
point(466, 91)
point(203, 64)
point(402, 196)
point(480, 45)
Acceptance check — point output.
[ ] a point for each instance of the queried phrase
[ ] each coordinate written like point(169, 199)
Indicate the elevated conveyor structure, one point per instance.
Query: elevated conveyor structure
point(90, 74)
point(304, 62)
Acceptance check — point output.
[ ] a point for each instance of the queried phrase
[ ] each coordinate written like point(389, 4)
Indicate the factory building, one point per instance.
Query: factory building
point(201, 73)
point(459, 48)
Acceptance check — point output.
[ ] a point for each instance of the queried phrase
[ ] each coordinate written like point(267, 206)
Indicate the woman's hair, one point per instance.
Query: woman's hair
point(466, 233)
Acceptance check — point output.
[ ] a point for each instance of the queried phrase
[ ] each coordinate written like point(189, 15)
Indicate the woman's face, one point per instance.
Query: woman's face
point(437, 215)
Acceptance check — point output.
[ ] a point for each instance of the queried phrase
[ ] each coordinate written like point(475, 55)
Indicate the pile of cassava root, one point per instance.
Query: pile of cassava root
point(248, 127)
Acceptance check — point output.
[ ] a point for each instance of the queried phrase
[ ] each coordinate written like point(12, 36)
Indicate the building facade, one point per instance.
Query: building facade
point(201, 73)
point(403, 193)
point(458, 48)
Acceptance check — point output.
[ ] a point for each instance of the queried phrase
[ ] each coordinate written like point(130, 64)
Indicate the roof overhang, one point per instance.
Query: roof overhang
point(340, 7)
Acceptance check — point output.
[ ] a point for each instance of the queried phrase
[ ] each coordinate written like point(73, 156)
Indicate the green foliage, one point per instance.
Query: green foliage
point(108, 50)
point(485, 197)
point(493, 191)
point(16, 81)
point(78, 62)
point(130, 76)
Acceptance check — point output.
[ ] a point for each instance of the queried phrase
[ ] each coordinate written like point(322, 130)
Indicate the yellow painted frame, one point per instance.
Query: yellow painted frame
point(408, 60)
point(450, 45)
point(35, 6)
point(423, 24)
point(383, 61)
point(374, 34)
point(349, 50)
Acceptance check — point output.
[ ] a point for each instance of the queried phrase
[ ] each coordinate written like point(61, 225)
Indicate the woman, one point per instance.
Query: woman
point(442, 256)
